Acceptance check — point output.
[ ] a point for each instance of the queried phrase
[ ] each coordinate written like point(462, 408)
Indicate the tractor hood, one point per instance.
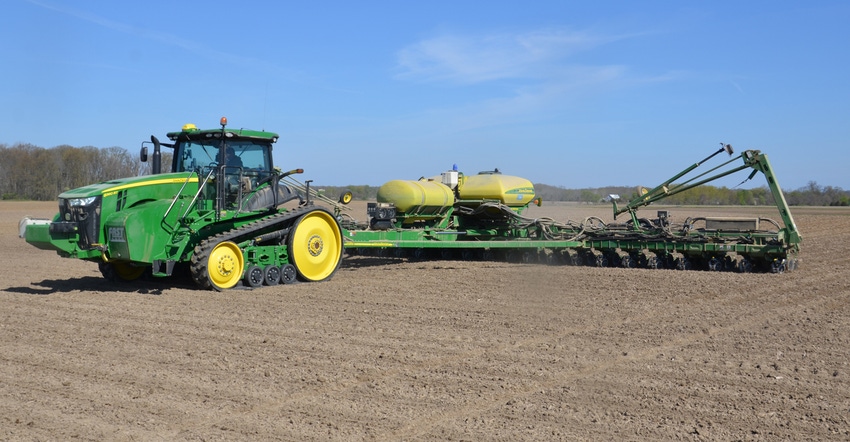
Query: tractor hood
point(77, 229)
point(109, 188)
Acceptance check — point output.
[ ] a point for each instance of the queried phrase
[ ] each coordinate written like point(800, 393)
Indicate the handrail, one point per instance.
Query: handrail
point(200, 189)
point(176, 197)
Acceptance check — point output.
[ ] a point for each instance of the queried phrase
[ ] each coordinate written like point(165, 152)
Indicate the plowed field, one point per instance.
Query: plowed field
point(390, 349)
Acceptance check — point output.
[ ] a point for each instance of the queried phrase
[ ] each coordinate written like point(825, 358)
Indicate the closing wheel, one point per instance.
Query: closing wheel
point(118, 271)
point(654, 263)
point(315, 246)
point(778, 266)
point(715, 264)
point(745, 266)
point(225, 265)
point(628, 262)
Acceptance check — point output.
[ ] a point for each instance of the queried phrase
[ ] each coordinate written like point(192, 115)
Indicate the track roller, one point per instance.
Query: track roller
point(288, 274)
point(272, 275)
point(254, 276)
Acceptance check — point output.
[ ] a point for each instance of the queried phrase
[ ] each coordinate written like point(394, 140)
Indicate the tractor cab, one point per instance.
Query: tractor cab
point(237, 153)
point(233, 165)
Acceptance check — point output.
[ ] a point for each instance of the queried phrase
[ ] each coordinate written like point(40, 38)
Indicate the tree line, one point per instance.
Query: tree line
point(30, 172)
point(810, 195)
point(34, 173)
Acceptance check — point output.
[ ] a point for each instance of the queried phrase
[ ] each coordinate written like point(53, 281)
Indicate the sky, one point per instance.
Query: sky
point(567, 93)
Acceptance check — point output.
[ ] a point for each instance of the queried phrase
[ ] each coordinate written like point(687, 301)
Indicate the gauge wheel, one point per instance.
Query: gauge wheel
point(225, 265)
point(346, 197)
point(315, 245)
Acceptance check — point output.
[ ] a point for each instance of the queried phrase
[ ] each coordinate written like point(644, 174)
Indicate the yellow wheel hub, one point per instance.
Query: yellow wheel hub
point(226, 265)
point(316, 246)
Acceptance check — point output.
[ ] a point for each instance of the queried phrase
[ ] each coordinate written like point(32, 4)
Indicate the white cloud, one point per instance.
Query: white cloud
point(481, 58)
point(538, 65)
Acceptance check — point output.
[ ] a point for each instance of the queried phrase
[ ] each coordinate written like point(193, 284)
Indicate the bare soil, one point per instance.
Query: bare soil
point(391, 349)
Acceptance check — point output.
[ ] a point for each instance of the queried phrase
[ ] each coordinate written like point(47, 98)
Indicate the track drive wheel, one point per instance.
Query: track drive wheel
point(224, 266)
point(118, 271)
point(315, 246)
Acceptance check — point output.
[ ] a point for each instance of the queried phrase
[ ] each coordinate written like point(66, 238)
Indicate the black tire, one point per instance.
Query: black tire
point(272, 275)
point(288, 274)
point(254, 276)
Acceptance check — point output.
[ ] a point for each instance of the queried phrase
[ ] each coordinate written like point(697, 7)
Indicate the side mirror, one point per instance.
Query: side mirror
point(156, 161)
point(143, 154)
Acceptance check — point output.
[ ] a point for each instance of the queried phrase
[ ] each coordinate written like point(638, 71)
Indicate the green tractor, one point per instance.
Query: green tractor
point(219, 213)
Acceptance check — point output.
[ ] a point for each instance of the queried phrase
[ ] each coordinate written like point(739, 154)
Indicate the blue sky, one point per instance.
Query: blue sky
point(569, 93)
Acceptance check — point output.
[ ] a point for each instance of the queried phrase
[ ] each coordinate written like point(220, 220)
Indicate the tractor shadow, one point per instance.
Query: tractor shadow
point(97, 284)
point(360, 262)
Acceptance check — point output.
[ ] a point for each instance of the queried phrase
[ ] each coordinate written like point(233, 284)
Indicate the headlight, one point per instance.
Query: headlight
point(82, 202)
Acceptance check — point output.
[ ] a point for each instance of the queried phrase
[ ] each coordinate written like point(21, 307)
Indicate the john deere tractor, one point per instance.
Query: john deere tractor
point(219, 212)
point(227, 216)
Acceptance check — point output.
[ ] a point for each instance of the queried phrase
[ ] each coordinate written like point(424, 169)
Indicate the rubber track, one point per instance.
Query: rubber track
point(200, 257)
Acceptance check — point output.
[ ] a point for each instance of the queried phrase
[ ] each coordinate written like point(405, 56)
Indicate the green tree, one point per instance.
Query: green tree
point(588, 196)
